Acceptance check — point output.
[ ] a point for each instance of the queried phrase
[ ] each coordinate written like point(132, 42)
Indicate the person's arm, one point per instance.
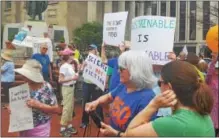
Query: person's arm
point(141, 125)
point(43, 107)
point(103, 53)
point(50, 72)
point(106, 98)
point(63, 80)
point(4, 67)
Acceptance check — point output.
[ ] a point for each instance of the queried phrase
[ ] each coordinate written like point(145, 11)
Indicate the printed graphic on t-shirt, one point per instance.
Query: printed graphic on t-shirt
point(120, 113)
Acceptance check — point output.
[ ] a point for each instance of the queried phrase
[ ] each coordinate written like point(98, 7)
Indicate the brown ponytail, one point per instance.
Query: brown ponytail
point(203, 99)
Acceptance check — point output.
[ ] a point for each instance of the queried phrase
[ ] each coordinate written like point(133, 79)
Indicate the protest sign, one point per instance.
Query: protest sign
point(114, 28)
point(21, 117)
point(35, 42)
point(95, 71)
point(154, 35)
point(18, 39)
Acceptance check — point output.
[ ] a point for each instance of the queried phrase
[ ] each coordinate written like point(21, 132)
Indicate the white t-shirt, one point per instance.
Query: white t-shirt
point(68, 72)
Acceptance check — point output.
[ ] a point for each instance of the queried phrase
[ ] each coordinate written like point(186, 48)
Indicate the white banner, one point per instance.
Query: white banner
point(114, 28)
point(95, 71)
point(21, 117)
point(35, 42)
point(154, 35)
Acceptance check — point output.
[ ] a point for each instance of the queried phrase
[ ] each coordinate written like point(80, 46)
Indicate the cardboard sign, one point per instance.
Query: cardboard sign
point(154, 35)
point(114, 28)
point(21, 117)
point(95, 71)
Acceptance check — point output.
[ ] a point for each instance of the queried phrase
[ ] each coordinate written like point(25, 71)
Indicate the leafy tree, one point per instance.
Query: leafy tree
point(88, 33)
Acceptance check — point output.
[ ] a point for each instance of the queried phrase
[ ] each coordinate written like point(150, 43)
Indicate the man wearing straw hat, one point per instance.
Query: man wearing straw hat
point(44, 60)
point(7, 73)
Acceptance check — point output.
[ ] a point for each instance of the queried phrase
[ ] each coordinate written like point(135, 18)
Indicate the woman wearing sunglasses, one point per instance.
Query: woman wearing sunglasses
point(190, 100)
point(131, 96)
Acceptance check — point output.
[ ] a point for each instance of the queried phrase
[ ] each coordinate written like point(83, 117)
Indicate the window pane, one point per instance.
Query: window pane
point(154, 8)
point(11, 33)
point(206, 18)
point(163, 8)
point(173, 8)
point(192, 23)
point(8, 4)
point(115, 6)
point(182, 23)
point(58, 34)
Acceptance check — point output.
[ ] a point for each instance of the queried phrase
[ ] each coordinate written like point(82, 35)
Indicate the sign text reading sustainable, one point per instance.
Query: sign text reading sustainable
point(95, 71)
point(21, 117)
point(154, 35)
point(114, 28)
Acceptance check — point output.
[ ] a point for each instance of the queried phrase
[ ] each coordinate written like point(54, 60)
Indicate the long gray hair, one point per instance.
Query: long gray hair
point(140, 68)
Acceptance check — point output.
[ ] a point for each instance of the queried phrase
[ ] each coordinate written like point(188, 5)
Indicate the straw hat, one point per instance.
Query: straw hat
point(31, 70)
point(7, 54)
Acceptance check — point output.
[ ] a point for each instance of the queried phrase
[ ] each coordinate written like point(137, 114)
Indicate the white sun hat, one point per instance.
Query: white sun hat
point(32, 70)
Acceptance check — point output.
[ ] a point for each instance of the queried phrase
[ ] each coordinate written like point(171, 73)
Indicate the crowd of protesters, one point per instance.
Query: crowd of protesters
point(176, 99)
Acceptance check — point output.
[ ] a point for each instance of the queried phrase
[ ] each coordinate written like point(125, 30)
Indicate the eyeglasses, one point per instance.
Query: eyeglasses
point(159, 82)
point(121, 69)
point(45, 48)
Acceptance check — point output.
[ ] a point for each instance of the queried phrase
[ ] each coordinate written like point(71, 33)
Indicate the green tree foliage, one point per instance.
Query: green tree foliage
point(88, 33)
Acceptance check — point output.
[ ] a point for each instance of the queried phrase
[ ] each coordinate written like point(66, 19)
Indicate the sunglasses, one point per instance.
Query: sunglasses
point(121, 69)
point(45, 48)
point(159, 82)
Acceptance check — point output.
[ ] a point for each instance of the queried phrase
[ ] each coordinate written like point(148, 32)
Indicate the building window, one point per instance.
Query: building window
point(163, 9)
point(182, 22)
point(154, 8)
point(12, 32)
point(115, 6)
point(206, 18)
point(173, 8)
point(7, 5)
point(192, 21)
point(58, 35)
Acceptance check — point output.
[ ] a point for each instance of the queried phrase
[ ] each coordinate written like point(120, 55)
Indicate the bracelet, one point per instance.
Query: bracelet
point(118, 135)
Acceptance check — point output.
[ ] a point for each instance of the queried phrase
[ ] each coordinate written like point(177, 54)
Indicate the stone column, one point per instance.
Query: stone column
point(129, 21)
point(141, 8)
point(108, 6)
point(91, 11)
point(121, 6)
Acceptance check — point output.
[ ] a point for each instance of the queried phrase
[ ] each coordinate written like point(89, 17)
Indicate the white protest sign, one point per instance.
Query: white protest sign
point(185, 50)
point(154, 35)
point(95, 71)
point(114, 28)
point(35, 42)
point(21, 117)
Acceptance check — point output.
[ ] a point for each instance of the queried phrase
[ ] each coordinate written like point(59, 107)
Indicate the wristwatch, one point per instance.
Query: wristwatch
point(118, 135)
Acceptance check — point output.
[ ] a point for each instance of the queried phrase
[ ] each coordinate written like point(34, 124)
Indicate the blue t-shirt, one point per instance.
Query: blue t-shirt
point(126, 106)
point(115, 78)
point(8, 74)
point(45, 62)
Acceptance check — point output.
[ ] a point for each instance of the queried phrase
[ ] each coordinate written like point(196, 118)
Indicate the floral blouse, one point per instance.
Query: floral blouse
point(44, 95)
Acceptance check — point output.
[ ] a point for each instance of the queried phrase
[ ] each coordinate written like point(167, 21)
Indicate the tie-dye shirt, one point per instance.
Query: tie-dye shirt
point(44, 95)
